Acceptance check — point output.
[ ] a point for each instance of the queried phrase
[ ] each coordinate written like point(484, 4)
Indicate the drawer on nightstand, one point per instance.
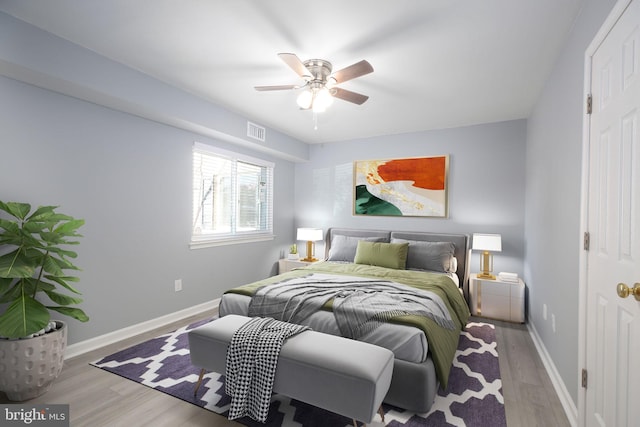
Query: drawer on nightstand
point(285, 265)
point(493, 306)
point(491, 287)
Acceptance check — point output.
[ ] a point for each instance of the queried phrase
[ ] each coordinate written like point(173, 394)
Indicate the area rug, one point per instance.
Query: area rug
point(473, 398)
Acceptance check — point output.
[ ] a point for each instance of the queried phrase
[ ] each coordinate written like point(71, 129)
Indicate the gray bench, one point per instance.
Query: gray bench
point(348, 377)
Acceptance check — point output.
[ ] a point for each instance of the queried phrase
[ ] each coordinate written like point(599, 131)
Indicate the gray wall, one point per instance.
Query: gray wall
point(486, 184)
point(85, 134)
point(34, 56)
point(130, 179)
point(553, 182)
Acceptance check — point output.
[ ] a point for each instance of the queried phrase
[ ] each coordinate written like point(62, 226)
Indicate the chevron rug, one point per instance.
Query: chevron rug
point(473, 398)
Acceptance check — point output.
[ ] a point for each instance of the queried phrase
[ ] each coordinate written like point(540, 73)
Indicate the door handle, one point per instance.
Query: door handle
point(624, 291)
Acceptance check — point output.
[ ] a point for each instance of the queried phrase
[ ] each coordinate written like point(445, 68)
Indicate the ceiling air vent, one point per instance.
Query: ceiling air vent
point(256, 132)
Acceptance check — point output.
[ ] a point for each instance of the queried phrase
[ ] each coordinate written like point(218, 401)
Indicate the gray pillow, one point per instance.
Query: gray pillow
point(433, 256)
point(343, 248)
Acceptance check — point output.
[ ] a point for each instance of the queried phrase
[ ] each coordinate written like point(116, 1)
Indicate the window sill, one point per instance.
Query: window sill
point(204, 242)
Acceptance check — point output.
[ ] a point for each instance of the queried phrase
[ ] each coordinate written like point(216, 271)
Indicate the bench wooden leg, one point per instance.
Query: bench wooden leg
point(380, 412)
point(199, 382)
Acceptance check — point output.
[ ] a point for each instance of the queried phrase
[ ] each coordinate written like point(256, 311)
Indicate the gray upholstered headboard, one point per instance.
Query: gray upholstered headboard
point(460, 241)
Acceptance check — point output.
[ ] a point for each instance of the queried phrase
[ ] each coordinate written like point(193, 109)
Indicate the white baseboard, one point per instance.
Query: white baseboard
point(82, 347)
point(569, 406)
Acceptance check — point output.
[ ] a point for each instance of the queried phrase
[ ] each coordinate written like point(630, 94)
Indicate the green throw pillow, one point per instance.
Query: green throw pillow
point(390, 255)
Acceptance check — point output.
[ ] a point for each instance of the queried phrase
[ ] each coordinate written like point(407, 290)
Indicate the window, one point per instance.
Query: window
point(232, 197)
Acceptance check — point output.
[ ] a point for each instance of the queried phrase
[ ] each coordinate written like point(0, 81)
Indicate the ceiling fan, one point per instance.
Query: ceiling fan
point(320, 84)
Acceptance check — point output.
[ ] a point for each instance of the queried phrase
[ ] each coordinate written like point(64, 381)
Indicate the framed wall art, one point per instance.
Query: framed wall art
point(401, 187)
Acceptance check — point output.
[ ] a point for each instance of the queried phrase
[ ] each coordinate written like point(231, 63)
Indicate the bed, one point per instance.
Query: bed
point(423, 343)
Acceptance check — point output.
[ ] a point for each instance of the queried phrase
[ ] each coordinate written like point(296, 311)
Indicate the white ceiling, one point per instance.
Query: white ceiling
point(438, 63)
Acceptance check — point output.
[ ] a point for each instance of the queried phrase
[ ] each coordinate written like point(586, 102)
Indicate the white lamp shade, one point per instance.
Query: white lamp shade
point(487, 242)
point(309, 234)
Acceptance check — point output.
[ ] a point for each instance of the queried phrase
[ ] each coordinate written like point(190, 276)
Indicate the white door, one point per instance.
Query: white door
point(612, 333)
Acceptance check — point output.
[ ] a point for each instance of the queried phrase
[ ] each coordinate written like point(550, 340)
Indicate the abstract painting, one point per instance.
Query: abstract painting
point(401, 187)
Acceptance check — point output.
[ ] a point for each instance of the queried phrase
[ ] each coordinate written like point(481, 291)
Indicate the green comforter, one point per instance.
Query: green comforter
point(442, 342)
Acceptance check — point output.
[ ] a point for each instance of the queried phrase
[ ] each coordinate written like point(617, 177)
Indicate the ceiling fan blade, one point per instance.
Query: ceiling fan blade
point(292, 60)
point(352, 71)
point(348, 95)
point(281, 87)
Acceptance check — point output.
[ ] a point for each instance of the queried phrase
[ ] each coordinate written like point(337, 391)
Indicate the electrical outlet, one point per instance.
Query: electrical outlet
point(553, 323)
point(178, 285)
point(544, 311)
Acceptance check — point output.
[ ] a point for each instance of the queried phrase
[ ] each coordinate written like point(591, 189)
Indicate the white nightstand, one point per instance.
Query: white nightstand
point(497, 299)
point(285, 264)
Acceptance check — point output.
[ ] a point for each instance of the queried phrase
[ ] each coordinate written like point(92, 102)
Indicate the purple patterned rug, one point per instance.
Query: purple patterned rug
point(473, 398)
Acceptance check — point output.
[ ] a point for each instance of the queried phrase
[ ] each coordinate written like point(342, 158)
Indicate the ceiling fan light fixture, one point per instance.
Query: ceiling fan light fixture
point(305, 99)
point(322, 100)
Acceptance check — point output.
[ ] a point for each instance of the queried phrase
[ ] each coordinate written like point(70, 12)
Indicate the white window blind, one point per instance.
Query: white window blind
point(232, 197)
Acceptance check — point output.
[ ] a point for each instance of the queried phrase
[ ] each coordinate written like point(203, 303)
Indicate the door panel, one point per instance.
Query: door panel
point(613, 323)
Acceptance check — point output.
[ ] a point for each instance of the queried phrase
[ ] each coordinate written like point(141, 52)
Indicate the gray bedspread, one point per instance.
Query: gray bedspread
point(360, 304)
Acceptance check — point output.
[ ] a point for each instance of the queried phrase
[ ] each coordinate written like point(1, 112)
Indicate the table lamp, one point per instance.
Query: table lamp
point(487, 243)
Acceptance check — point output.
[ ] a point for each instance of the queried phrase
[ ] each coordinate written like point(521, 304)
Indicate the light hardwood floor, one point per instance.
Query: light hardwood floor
point(98, 398)
point(529, 397)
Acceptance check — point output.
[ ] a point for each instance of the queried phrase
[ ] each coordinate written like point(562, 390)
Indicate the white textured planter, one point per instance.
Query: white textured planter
point(29, 366)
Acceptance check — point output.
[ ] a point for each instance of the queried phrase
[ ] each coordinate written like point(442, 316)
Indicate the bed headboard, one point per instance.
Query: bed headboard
point(460, 241)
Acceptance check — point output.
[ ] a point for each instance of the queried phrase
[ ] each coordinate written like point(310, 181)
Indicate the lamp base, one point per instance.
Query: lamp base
point(486, 266)
point(310, 253)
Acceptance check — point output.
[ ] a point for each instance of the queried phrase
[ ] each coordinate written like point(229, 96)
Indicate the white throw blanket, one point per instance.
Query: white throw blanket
point(252, 359)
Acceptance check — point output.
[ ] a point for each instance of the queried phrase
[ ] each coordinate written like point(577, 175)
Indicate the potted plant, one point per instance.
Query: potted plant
point(34, 258)
point(293, 252)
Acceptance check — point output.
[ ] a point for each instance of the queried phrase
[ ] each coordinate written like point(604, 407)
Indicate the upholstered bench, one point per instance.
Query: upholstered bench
point(348, 377)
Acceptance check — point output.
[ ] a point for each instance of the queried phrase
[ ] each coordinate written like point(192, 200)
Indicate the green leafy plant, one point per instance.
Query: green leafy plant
point(293, 249)
point(33, 260)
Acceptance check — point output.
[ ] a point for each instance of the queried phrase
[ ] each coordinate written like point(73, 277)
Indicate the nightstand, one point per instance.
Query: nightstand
point(497, 299)
point(285, 264)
